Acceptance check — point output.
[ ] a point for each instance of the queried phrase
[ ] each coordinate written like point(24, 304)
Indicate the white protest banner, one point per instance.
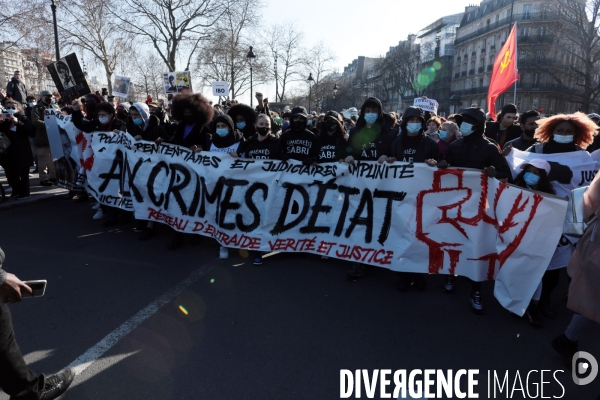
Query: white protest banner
point(220, 89)
point(177, 82)
point(121, 86)
point(399, 216)
point(567, 170)
point(426, 104)
point(63, 138)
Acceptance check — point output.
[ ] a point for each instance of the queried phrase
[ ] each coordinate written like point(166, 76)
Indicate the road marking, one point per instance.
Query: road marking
point(93, 353)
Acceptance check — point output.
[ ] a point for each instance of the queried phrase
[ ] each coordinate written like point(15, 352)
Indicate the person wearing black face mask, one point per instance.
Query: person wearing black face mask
point(333, 139)
point(298, 143)
point(529, 123)
point(262, 145)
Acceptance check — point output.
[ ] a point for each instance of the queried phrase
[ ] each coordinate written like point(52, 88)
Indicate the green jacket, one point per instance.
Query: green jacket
point(37, 120)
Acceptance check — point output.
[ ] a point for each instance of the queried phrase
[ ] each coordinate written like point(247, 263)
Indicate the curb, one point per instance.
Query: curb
point(9, 204)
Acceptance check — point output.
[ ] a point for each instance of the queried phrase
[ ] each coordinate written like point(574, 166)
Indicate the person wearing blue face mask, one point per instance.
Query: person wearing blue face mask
point(474, 150)
point(225, 139)
point(373, 134)
point(413, 146)
point(534, 176)
point(564, 133)
point(243, 117)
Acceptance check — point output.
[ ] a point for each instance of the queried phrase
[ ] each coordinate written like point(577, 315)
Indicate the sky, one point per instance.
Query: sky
point(355, 28)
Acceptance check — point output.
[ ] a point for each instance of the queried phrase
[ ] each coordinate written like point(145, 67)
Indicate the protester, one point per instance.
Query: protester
point(596, 144)
point(262, 145)
point(123, 111)
point(16, 89)
point(560, 134)
point(18, 155)
point(370, 140)
point(584, 270)
point(433, 126)
point(332, 143)
point(413, 145)
point(42, 145)
point(193, 112)
point(16, 380)
point(298, 143)
point(474, 150)
point(529, 123)
point(144, 126)
point(243, 116)
point(534, 176)
point(504, 129)
point(448, 134)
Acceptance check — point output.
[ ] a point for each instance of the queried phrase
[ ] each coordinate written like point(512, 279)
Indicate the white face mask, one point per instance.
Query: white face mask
point(563, 138)
point(104, 120)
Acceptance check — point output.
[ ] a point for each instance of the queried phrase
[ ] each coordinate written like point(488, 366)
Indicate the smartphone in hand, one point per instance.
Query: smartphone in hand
point(38, 287)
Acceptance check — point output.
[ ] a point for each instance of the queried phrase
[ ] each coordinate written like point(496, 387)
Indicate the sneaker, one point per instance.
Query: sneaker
point(545, 308)
point(533, 315)
point(403, 284)
point(23, 197)
point(476, 303)
point(96, 206)
point(449, 283)
point(45, 183)
point(257, 259)
point(223, 253)
point(81, 198)
point(55, 385)
point(419, 282)
point(99, 214)
point(357, 271)
point(146, 234)
point(565, 347)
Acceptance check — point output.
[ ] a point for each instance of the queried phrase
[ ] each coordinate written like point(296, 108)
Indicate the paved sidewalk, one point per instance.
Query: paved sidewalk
point(38, 193)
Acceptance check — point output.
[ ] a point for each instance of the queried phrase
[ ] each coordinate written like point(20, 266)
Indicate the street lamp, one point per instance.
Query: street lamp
point(250, 57)
point(276, 81)
point(310, 81)
point(53, 6)
point(335, 89)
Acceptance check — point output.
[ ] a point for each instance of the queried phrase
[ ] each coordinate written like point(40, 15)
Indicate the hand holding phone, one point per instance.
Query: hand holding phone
point(38, 288)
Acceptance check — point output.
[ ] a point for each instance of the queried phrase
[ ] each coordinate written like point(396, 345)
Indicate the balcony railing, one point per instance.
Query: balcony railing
point(503, 23)
point(475, 90)
point(535, 39)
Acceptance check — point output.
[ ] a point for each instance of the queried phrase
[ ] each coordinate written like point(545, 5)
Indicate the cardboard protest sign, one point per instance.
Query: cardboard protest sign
point(426, 104)
point(177, 82)
point(62, 136)
point(69, 78)
point(401, 216)
point(220, 89)
point(121, 86)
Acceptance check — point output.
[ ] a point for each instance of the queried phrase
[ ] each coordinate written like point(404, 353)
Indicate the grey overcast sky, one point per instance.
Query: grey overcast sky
point(355, 28)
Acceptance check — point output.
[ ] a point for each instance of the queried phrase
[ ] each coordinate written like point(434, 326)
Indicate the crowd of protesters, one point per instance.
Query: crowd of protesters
point(468, 139)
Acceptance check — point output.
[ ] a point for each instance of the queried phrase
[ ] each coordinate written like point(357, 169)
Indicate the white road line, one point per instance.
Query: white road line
point(96, 351)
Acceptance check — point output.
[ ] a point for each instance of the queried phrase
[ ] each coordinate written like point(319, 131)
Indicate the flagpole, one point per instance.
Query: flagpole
point(510, 25)
point(516, 61)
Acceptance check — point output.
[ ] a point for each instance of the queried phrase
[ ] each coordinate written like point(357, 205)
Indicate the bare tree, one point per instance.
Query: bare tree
point(400, 69)
point(170, 26)
point(577, 39)
point(224, 57)
point(319, 62)
point(89, 25)
point(146, 71)
point(285, 44)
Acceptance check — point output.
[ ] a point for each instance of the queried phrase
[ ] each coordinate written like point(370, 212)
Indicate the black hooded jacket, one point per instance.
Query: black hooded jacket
point(249, 116)
point(372, 143)
point(199, 136)
point(476, 151)
point(229, 143)
point(332, 148)
point(265, 149)
point(19, 149)
point(492, 131)
point(416, 148)
point(151, 133)
point(298, 145)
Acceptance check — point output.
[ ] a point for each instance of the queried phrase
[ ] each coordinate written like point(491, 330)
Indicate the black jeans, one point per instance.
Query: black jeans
point(16, 379)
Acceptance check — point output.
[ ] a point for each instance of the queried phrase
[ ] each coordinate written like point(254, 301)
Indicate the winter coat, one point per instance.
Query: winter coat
point(19, 149)
point(371, 143)
point(492, 131)
point(17, 90)
point(199, 136)
point(37, 120)
point(152, 132)
point(476, 151)
point(229, 143)
point(442, 146)
point(94, 125)
point(249, 116)
point(584, 290)
point(520, 143)
point(426, 148)
point(553, 147)
point(265, 149)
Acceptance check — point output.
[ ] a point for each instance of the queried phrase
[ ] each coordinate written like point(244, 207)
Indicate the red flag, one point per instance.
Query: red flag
point(504, 72)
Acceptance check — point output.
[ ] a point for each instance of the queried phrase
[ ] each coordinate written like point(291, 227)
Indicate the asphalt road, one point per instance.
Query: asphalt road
point(280, 331)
